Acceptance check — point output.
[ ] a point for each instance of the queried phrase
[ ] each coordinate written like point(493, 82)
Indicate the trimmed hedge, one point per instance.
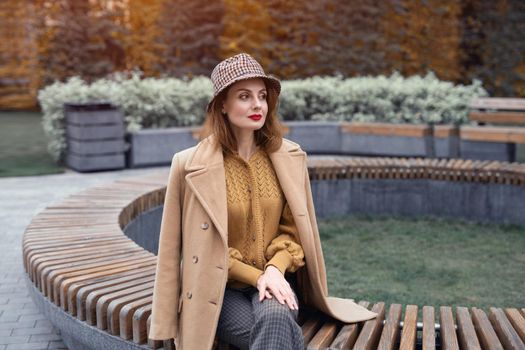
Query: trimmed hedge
point(170, 102)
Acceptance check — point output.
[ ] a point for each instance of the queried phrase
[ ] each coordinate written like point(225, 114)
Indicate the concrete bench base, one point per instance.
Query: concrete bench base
point(77, 334)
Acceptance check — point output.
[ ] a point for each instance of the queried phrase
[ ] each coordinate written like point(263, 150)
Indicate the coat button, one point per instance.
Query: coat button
point(195, 259)
point(249, 189)
point(205, 225)
point(189, 295)
point(253, 262)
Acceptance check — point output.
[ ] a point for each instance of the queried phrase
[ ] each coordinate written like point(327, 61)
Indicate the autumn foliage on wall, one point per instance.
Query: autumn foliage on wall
point(46, 40)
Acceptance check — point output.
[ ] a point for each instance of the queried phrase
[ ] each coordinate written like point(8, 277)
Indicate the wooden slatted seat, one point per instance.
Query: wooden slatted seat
point(499, 111)
point(500, 134)
point(76, 255)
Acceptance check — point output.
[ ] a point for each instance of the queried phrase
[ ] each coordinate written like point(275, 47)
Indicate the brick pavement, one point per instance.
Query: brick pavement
point(22, 326)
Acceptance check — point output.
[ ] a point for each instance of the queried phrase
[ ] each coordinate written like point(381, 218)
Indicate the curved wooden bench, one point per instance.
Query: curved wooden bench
point(77, 257)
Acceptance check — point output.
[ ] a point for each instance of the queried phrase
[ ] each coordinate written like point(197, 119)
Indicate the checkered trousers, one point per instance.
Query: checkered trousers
point(249, 324)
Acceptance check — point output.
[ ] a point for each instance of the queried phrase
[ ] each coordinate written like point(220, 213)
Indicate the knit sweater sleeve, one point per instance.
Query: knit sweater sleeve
point(240, 271)
point(284, 251)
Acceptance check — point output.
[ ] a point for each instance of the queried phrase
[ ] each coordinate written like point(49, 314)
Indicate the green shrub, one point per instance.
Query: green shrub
point(146, 103)
point(170, 102)
point(394, 99)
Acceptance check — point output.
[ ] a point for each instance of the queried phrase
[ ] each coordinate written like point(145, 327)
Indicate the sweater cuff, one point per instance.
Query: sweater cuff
point(282, 260)
point(245, 273)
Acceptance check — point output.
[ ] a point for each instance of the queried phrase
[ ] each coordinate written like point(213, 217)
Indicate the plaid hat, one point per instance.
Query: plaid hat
point(239, 67)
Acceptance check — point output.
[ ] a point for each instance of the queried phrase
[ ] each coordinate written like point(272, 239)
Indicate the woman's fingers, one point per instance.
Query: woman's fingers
point(275, 284)
point(261, 286)
point(285, 296)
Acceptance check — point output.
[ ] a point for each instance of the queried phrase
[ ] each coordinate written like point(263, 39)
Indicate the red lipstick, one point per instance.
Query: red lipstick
point(255, 117)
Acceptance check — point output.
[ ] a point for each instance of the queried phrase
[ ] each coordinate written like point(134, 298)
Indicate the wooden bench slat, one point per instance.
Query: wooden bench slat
point(492, 134)
point(390, 334)
point(408, 336)
point(63, 285)
point(76, 299)
point(309, 329)
point(75, 261)
point(99, 300)
point(369, 336)
point(57, 280)
point(507, 335)
point(500, 117)
point(486, 334)
point(40, 262)
point(466, 332)
point(346, 337)
point(324, 336)
point(126, 316)
point(429, 330)
point(506, 103)
point(517, 320)
point(50, 276)
point(140, 317)
point(449, 340)
point(108, 316)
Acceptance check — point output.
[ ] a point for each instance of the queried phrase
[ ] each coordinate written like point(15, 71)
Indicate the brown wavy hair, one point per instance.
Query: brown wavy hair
point(269, 137)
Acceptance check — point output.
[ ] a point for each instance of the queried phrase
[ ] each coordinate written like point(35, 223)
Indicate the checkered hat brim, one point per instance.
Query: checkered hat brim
point(236, 68)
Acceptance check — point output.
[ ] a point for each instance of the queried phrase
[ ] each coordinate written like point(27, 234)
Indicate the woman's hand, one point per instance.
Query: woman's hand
point(272, 282)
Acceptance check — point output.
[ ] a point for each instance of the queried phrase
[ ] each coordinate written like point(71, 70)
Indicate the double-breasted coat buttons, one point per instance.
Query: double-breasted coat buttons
point(195, 259)
point(189, 295)
point(205, 225)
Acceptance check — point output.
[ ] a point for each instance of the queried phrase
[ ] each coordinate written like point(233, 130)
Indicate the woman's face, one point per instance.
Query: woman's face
point(246, 105)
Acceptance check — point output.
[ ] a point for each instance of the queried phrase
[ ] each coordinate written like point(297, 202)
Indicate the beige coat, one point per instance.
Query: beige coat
point(192, 267)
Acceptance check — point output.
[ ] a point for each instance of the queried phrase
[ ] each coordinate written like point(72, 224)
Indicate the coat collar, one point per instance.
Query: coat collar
point(206, 179)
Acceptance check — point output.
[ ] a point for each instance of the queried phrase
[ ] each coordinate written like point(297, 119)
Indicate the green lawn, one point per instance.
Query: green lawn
point(23, 146)
point(425, 261)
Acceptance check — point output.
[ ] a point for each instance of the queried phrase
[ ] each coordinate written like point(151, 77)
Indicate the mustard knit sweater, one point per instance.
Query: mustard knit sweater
point(261, 229)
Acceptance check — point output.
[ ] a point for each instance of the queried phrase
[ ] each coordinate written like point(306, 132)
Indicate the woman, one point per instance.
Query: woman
point(239, 226)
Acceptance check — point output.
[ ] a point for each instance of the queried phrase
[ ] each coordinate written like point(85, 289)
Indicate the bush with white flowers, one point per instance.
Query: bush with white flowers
point(394, 99)
point(170, 102)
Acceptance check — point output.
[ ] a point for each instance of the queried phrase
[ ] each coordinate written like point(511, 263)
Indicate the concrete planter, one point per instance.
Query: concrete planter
point(446, 141)
point(495, 203)
point(383, 139)
point(315, 137)
point(95, 137)
point(157, 146)
point(490, 143)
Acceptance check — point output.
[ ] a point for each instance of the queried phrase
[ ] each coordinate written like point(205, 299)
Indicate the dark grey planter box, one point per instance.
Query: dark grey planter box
point(96, 162)
point(381, 139)
point(481, 150)
point(490, 142)
point(446, 141)
point(97, 147)
point(95, 136)
point(497, 203)
point(157, 146)
point(315, 137)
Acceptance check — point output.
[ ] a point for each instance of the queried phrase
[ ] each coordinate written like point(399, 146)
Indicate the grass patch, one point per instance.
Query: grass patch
point(425, 261)
point(23, 146)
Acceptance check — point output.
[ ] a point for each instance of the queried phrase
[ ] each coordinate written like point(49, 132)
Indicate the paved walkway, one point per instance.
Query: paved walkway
point(22, 326)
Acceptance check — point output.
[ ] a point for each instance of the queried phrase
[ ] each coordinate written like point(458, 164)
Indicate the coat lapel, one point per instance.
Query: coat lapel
point(206, 179)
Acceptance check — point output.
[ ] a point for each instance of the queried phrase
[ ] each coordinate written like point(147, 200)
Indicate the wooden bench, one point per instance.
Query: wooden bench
point(499, 111)
point(76, 255)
